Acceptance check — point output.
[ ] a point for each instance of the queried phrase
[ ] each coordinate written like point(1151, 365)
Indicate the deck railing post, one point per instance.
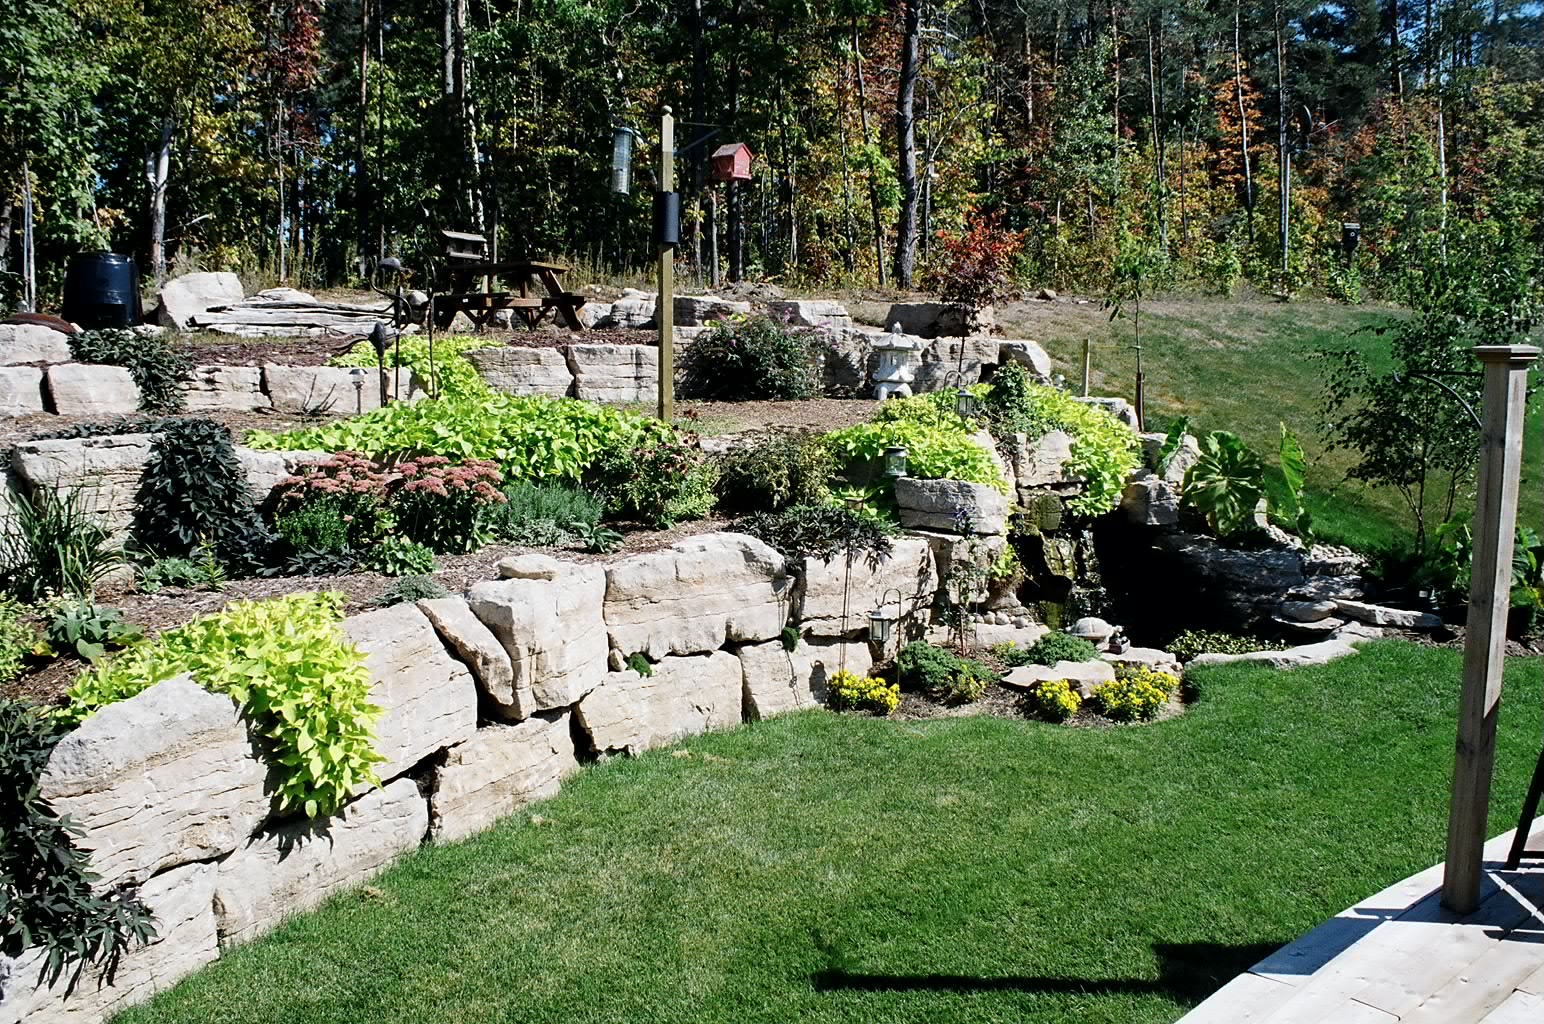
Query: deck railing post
point(1495, 518)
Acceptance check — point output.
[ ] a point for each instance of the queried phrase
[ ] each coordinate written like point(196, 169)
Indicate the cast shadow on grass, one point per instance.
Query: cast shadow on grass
point(1188, 972)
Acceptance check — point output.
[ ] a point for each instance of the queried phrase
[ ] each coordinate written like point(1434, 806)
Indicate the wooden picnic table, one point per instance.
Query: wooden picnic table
point(529, 303)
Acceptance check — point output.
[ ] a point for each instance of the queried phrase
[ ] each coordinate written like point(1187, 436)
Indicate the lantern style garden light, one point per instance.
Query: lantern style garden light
point(895, 461)
point(882, 621)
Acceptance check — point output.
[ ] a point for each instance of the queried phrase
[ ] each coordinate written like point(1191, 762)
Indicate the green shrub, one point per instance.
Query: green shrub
point(543, 514)
point(748, 358)
point(530, 437)
point(932, 452)
point(398, 556)
point(315, 526)
point(17, 638)
point(821, 531)
point(411, 589)
point(1054, 700)
point(452, 376)
point(1135, 695)
point(444, 506)
point(335, 505)
point(45, 880)
point(768, 472)
point(1192, 642)
point(192, 489)
point(52, 544)
point(89, 629)
point(925, 667)
point(158, 370)
point(202, 573)
point(286, 662)
point(1225, 484)
point(660, 482)
point(1055, 646)
point(640, 664)
point(848, 691)
point(933, 409)
point(968, 684)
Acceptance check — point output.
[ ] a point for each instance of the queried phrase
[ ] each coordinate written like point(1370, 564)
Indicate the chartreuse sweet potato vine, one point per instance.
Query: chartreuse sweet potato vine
point(447, 373)
point(300, 683)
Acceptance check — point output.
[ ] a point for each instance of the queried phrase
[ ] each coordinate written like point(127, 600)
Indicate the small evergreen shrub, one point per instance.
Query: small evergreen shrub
point(1054, 700)
point(543, 514)
point(335, 505)
point(822, 531)
point(443, 506)
point(1054, 647)
point(848, 691)
point(660, 482)
point(1135, 695)
point(17, 638)
point(159, 371)
point(45, 880)
point(749, 358)
point(771, 471)
point(640, 664)
point(925, 667)
point(968, 684)
point(297, 679)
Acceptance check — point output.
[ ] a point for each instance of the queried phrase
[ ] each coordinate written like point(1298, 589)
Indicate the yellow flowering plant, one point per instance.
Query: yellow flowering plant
point(848, 691)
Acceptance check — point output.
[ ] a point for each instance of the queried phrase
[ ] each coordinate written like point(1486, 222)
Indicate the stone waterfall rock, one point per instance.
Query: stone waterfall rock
point(550, 626)
point(1149, 500)
point(776, 679)
point(932, 505)
point(523, 371)
point(1041, 462)
point(428, 699)
point(941, 358)
point(298, 865)
point(697, 595)
point(1378, 615)
point(183, 298)
point(935, 319)
point(181, 901)
point(910, 569)
point(631, 713)
point(21, 390)
point(614, 373)
point(86, 389)
point(1321, 653)
point(475, 644)
point(498, 771)
point(166, 777)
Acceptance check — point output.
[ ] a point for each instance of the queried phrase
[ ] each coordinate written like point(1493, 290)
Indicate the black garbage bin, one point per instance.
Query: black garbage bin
point(101, 289)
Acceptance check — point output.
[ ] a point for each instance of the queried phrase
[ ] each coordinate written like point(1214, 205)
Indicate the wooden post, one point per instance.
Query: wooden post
point(1495, 519)
point(664, 306)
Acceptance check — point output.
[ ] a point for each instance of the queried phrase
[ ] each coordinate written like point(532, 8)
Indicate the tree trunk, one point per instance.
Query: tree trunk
point(1154, 103)
point(157, 170)
point(1243, 124)
point(361, 170)
point(1115, 110)
point(906, 140)
point(1283, 150)
point(849, 223)
point(873, 190)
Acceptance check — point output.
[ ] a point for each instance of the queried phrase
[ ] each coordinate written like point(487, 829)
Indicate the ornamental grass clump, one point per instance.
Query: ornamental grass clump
point(848, 691)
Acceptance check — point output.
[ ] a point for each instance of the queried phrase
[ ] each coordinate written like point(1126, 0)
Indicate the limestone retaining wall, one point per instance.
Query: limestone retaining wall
point(490, 700)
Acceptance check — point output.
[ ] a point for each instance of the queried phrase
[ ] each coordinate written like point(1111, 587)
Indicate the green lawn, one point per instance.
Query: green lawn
point(834, 868)
point(1245, 365)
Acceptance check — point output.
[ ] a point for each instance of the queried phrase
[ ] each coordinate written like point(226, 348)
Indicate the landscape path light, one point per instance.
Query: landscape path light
point(882, 622)
point(895, 461)
point(966, 405)
point(358, 373)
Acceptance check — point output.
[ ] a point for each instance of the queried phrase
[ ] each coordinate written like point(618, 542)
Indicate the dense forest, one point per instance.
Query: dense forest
point(1210, 141)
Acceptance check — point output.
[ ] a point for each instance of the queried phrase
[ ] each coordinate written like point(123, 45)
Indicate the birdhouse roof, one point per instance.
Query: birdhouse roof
point(731, 148)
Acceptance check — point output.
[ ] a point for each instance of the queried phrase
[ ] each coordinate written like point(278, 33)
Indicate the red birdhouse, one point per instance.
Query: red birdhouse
point(732, 162)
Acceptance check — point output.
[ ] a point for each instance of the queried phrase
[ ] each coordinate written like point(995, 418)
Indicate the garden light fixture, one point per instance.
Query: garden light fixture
point(882, 621)
point(895, 461)
point(358, 373)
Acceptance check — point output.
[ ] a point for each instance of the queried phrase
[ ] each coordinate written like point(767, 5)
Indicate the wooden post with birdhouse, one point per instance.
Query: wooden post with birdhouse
point(730, 163)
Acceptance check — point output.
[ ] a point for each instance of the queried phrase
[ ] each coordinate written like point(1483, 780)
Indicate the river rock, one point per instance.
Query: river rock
point(183, 298)
point(226, 389)
point(499, 771)
point(428, 699)
point(475, 644)
point(696, 595)
point(32, 343)
point(552, 630)
point(910, 569)
point(86, 389)
point(931, 505)
point(614, 373)
point(523, 371)
point(21, 390)
point(631, 713)
point(776, 679)
point(165, 777)
point(301, 863)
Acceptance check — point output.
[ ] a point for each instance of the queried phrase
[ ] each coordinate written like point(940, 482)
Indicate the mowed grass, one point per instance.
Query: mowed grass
point(821, 868)
point(1247, 366)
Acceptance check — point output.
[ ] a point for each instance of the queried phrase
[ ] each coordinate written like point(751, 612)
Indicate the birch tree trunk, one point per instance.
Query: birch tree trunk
point(1243, 124)
point(157, 170)
point(906, 140)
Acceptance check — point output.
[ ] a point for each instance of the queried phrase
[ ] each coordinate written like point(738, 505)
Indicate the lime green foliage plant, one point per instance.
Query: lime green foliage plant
point(452, 375)
point(1226, 483)
point(1192, 642)
point(1135, 695)
point(45, 879)
point(1054, 700)
point(848, 691)
point(1055, 646)
point(17, 638)
point(530, 437)
point(745, 358)
point(398, 556)
point(932, 452)
point(88, 629)
point(768, 472)
point(444, 506)
point(303, 687)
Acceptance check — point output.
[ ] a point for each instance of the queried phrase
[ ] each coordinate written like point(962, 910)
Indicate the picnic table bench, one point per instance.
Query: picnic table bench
point(535, 288)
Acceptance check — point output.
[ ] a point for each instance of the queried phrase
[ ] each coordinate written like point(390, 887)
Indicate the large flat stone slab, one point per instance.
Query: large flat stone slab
point(933, 504)
point(700, 310)
point(428, 699)
point(318, 390)
point(86, 389)
point(300, 864)
point(21, 390)
point(1085, 675)
point(614, 373)
point(776, 680)
point(32, 343)
point(523, 371)
point(1293, 657)
point(631, 713)
point(103, 470)
point(226, 389)
point(166, 777)
point(551, 627)
point(499, 771)
point(697, 595)
point(475, 644)
point(910, 569)
point(810, 313)
point(1379, 615)
point(183, 298)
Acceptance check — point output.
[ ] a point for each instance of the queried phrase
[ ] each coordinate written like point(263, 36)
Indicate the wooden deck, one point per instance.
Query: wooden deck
point(1399, 956)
